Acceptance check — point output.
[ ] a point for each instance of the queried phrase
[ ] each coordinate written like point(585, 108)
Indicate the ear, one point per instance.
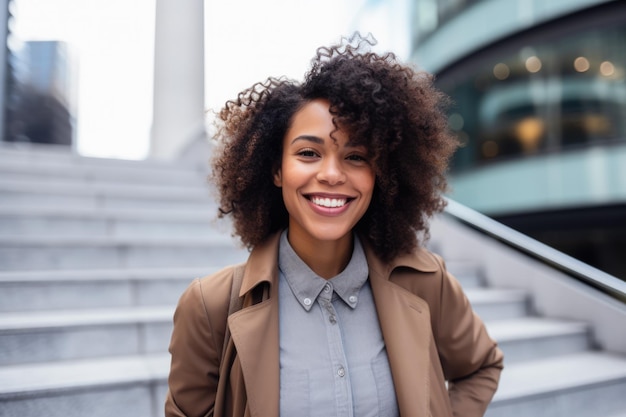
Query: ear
point(278, 178)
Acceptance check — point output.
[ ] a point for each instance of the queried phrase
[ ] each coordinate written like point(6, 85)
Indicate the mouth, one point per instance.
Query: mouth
point(329, 202)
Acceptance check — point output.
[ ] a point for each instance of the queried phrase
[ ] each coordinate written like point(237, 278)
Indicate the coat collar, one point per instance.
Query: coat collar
point(262, 264)
point(420, 260)
point(404, 320)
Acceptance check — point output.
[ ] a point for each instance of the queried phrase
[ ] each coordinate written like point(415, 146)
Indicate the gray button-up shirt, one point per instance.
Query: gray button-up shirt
point(333, 360)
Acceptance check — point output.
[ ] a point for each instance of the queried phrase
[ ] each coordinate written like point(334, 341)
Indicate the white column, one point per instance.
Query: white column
point(178, 110)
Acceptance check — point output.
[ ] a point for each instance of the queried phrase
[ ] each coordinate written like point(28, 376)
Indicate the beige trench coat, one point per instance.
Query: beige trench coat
point(430, 332)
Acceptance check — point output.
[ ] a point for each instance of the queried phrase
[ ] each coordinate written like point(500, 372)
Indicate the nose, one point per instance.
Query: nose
point(331, 171)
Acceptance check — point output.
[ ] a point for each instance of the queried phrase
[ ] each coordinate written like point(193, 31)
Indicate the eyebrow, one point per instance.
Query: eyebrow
point(320, 141)
point(309, 138)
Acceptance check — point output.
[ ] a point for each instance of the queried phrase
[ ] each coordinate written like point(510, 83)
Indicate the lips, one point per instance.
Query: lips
point(329, 204)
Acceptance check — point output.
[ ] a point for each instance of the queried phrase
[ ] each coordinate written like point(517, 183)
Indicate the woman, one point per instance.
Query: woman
point(338, 309)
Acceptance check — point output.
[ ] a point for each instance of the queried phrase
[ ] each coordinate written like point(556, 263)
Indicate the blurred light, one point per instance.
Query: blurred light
point(581, 64)
point(529, 132)
point(597, 124)
point(490, 149)
point(607, 68)
point(533, 64)
point(455, 121)
point(501, 71)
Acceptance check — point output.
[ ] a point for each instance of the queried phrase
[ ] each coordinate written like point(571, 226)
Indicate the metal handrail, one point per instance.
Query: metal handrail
point(581, 271)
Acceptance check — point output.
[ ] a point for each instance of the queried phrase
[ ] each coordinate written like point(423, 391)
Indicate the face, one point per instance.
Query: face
point(327, 183)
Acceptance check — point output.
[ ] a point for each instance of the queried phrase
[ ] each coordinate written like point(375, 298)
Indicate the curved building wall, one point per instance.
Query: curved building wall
point(539, 91)
point(445, 31)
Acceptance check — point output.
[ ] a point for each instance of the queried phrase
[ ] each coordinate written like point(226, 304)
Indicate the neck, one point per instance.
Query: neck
point(326, 258)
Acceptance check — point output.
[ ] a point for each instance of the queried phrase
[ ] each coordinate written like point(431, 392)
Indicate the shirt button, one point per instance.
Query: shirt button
point(326, 288)
point(307, 301)
point(341, 372)
point(352, 299)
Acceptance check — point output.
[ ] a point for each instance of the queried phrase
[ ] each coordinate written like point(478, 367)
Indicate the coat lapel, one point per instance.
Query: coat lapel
point(254, 330)
point(405, 324)
point(255, 334)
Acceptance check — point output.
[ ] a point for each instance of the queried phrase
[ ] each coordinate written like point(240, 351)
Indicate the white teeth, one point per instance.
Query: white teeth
point(329, 202)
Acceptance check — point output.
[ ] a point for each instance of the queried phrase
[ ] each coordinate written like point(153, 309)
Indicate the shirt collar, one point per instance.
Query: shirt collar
point(306, 285)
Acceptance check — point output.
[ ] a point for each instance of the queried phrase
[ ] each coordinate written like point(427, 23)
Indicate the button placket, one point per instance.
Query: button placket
point(328, 308)
point(326, 301)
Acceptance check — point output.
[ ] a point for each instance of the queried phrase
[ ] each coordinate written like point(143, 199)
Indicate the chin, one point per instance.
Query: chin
point(331, 234)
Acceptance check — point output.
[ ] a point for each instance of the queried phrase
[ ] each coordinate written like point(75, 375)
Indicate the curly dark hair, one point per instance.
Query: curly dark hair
point(390, 107)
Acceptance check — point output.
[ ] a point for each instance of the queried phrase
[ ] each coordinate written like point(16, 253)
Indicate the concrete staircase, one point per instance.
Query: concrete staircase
point(95, 253)
point(564, 343)
point(552, 365)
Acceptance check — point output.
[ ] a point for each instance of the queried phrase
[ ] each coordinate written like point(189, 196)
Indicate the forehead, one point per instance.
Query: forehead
point(314, 121)
point(312, 116)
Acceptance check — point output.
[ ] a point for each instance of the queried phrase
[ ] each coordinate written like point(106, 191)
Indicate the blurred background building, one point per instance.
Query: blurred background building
point(40, 101)
point(539, 91)
point(38, 92)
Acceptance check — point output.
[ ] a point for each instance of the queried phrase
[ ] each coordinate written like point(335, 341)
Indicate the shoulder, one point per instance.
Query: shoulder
point(421, 259)
point(214, 290)
point(424, 273)
point(419, 263)
point(203, 306)
point(418, 260)
point(208, 296)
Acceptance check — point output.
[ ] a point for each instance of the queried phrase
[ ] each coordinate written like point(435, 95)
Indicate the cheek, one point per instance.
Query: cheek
point(368, 182)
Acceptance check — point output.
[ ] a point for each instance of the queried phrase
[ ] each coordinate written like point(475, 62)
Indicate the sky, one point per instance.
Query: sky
point(111, 44)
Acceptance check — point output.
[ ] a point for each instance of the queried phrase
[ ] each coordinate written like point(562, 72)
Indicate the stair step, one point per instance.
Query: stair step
point(93, 288)
point(87, 172)
point(528, 338)
point(24, 193)
point(51, 252)
point(79, 221)
point(36, 154)
point(57, 335)
point(63, 335)
point(468, 273)
point(161, 214)
point(492, 304)
point(105, 387)
point(124, 189)
point(588, 384)
point(31, 379)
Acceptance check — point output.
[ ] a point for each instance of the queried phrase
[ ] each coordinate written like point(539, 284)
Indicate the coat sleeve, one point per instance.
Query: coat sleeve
point(196, 347)
point(471, 360)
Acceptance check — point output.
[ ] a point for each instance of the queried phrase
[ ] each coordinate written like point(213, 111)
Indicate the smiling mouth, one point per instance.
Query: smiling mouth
point(328, 202)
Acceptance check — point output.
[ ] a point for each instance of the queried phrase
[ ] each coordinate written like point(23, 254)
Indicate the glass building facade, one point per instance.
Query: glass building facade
point(539, 92)
point(541, 96)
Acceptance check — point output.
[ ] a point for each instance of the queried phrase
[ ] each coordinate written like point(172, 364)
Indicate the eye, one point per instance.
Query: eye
point(357, 158)
point(307, 153)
